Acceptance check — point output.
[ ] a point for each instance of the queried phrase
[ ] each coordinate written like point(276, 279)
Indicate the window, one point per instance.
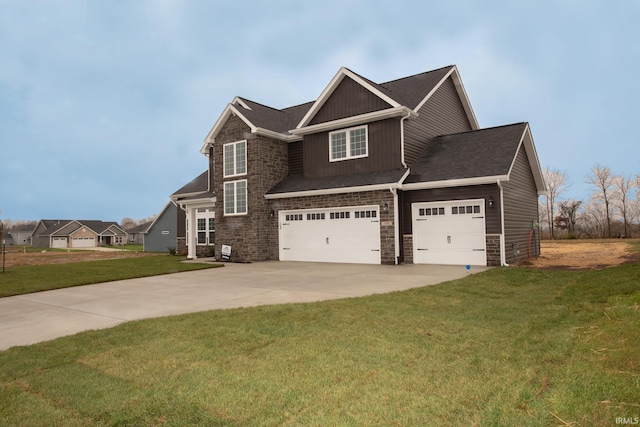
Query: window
point(348, 144)
point(235, 158)
point(461, 210)
point(204, 226)
point(235, 197)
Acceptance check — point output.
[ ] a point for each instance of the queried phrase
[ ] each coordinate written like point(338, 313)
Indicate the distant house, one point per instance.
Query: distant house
point(21, 234)
point(70, 233)
point(136, 234)
point(162, 233)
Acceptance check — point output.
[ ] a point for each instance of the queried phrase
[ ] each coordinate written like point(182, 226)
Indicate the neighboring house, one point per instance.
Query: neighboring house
point(162, 234)
point(21, 234)
point(135, 235)
point(367, 173)
point(59, 233)
point(198, 201)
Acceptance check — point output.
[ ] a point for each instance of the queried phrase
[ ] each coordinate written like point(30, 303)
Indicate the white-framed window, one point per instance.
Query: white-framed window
point(205, 226)
point(349, 143)
point(235, 158)
point(235, 197)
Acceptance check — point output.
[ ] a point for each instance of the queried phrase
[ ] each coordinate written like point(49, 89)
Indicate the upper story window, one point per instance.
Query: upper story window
point(235, 197)
point(348, 144)
point(235, 158)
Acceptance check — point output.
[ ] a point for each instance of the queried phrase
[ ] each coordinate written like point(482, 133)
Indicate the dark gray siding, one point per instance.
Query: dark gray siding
point(384, 152)
point(492, 219)
point(349, 99)
point(442, 114)
point(155, 240)
point(296, 161)
point(520, 210)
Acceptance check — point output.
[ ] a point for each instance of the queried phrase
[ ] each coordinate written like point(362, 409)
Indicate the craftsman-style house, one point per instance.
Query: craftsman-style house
point(397, 172)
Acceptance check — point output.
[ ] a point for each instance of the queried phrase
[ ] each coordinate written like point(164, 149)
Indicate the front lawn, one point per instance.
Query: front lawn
point(35, 278)
point(505, 347)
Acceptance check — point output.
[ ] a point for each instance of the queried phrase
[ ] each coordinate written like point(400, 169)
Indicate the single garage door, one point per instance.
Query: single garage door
point(345, 235)
point(451, 232)
point(59, 242)
point(83, 242)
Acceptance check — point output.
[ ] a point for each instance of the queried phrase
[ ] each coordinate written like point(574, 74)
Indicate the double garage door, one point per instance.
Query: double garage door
point(451, 232)
point(346, 235)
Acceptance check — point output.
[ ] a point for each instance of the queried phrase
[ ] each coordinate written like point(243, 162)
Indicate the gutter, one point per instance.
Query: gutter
point(402, 138)
point(503, 252)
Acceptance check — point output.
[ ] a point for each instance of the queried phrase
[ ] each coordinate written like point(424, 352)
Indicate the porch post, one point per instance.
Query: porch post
point(192, 232)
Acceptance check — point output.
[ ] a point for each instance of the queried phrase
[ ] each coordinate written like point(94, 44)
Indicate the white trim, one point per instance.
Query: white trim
point(224, 164)
point(331, 87)
point(454, 182)
point(354, 120)
point(503, 244)
point(240, 102)
point(277, 135)
point(228, 111)
point(347, 133)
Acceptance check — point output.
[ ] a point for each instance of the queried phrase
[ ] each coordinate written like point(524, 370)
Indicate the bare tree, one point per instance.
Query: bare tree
point(567, 217)
point(622, 186)
point(602, 180)
point(556, 184)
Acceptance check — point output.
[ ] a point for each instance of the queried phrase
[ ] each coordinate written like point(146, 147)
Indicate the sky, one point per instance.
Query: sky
point(104, 105)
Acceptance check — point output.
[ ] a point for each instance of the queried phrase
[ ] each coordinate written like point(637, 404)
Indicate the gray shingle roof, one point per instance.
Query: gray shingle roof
point(296, 183)
point(473, 154)
point(197, 185)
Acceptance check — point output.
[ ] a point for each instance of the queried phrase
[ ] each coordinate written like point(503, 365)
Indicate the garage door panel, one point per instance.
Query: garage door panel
point(350, 235)
point(449, 232)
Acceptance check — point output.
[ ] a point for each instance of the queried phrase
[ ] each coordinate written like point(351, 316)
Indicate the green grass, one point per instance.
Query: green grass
point(27, 279)
point(505, 347)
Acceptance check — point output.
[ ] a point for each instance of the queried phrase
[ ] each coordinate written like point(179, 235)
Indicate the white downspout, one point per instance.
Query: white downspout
point(396, 224)
point(503, 251)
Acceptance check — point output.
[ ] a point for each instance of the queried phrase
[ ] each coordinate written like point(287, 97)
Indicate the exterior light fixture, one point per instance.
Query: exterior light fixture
point(385, 207)
point(490, 201)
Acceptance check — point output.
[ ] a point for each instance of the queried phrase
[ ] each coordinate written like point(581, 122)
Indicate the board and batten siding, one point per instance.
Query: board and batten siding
point(296, 158)
point(442, 114)
point(383, 152)
point(520, 210)
point(347, 100)
point(163, 233)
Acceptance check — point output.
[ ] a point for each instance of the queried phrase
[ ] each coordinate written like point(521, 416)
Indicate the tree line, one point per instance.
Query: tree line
point(612, 210)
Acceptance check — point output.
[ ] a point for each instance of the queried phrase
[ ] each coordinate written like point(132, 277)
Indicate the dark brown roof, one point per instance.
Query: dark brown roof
point(473, 154)
point(199, 184)
point(407, 91)
point(296, 183)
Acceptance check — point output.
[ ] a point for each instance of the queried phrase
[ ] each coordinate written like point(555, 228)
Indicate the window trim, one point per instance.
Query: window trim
point(347, 133)
point(224, 160)
point(235, 198)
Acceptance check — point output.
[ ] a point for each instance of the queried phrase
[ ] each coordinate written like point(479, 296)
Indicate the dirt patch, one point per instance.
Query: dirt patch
point(16, 256)
point(584, 254)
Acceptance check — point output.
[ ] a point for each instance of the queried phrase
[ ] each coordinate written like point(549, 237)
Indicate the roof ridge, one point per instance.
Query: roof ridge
point(417, 74)
point(481, 129)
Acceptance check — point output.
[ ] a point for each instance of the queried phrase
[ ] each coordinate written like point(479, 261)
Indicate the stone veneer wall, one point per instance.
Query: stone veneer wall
point(378, 197)
point(408, 248)
point(250, 236)
point(181, 246)
point(493, 250)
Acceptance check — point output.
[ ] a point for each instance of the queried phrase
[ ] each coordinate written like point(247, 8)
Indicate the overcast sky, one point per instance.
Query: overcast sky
point(104, 105)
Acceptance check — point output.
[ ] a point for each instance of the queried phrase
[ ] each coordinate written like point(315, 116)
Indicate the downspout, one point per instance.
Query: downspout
point(404, 164)
point(503, 252)
point(396, 224)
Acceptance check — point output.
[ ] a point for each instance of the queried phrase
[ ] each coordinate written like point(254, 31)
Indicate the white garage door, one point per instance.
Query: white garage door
point(450, 232)
point(345, 235)
point(59, 242)
point(83, 242)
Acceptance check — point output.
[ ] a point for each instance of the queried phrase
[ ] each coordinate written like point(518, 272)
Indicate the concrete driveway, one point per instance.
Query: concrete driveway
point(32, 318)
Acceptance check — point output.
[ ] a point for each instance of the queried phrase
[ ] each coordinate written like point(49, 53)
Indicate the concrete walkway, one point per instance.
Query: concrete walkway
point(32, 318)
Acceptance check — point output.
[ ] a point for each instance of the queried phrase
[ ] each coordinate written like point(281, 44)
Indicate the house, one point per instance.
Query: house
point(378, 173)
point(162, 234)
point(21, 234)
point(135, 235)
point(65, 233)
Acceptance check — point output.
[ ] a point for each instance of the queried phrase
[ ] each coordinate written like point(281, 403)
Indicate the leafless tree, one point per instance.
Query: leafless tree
point(556, 184)
point(567, 217)
point(602, 180)
point(622, 187)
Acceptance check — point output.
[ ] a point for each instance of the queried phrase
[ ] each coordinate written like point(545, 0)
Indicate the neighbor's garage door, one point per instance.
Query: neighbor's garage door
point(450, 232)
point(345, 235)
point(83, 242)
point(59, 242)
